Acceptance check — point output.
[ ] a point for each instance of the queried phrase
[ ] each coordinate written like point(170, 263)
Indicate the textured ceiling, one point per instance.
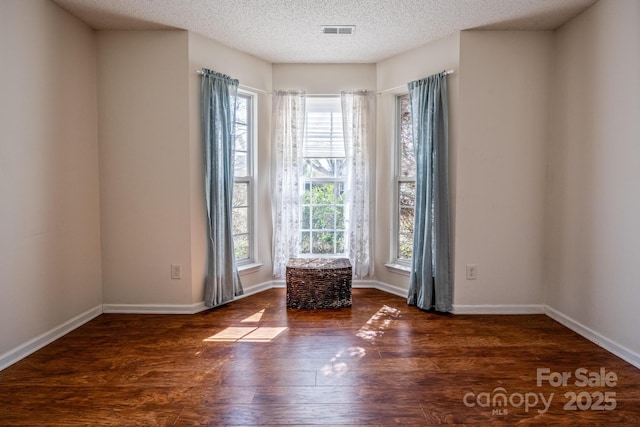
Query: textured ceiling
point(282, 31)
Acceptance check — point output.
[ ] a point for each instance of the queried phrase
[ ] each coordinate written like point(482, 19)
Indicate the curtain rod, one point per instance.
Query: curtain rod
point(241, 86)
point(446, 73)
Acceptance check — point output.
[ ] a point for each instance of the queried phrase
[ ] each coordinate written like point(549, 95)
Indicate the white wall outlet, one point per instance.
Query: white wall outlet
point(472, 272)
point(176, 271)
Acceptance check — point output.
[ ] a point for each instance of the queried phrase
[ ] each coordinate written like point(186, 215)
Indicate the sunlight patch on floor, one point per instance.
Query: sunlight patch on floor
point(254, 317)
point(247, 334)
point(232, 333)
point(338, 365)
point(263, 334)
point(375, 327)
point(378, 323)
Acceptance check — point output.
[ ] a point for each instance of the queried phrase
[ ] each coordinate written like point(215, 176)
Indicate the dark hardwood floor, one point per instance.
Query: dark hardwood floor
point(381, 362)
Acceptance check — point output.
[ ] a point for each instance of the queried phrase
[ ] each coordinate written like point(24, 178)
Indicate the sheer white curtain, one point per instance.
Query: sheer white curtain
point(288, 131)
point(358, 111)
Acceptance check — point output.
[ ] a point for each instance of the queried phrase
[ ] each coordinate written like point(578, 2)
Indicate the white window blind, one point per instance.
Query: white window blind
point(324, 137)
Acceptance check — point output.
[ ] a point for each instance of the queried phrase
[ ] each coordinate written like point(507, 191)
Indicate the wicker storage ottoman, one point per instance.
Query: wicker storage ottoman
point(318, 283)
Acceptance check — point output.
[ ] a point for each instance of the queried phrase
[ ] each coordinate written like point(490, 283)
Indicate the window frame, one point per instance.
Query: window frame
point(249, 180)
point(397, 263)
point(336, 180)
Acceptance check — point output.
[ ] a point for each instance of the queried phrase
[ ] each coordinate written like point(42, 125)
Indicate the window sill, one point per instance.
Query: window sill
point(249, 268)
point(403, 269)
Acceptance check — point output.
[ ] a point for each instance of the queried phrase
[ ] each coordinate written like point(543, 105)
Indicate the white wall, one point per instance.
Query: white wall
point(143, 98)
point(324, 79)
point(503, 124)
point(255, 73)
point(49, 205)
point(392, 73)
point(152, 185)
point(594, 209)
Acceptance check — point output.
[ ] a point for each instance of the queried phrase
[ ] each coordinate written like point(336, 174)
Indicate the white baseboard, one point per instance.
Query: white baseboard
point(154, 308)
point(12, 356)
point(278, 283)
point(175, 308)
point(593, 336)
point(498, 309)
point(255, 289)
point(390, 289)
point(364, 284)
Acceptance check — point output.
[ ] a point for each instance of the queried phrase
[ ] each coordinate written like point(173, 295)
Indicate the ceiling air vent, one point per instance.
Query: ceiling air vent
point(341, 30)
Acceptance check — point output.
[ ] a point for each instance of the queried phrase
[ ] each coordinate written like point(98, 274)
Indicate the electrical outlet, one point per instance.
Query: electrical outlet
point(176, 271)
point(472, 272)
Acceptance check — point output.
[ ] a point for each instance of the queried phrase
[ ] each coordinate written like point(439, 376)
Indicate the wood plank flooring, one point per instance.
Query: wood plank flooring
point(253, 362)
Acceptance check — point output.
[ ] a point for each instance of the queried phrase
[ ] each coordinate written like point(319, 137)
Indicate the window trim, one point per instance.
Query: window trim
point(314, 180)
point(397, 264)
point(251, 263)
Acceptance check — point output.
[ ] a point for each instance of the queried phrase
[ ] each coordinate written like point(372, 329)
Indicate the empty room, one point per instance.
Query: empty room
point(336, 212)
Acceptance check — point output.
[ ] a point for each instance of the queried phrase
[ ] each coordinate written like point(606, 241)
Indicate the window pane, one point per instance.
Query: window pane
point(240, 164)
point(241, 138)
point(240, 194)
point(320, 168)
point(340, 193)
point(241, 109)
point(339, 218)
point(322, 217)
point(305, 224)
point(406, 220)
point(240, 220)
point(241, 246)
point(340, 242)
point(322, 242)
point(305, 242)
point(407, 194)
point(407, 158)
point(322, 194)
point(306, 195)
point(341, 167)
point(324, 168)
point(405, 246)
